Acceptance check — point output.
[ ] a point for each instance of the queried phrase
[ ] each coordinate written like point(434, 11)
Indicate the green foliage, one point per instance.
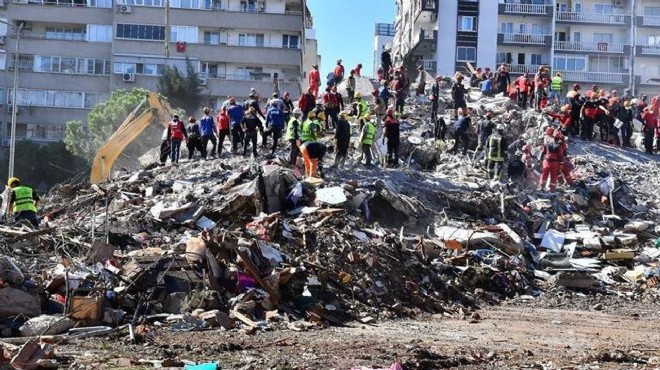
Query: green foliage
point(182, 91)
point(43, 166)
point(102, 122)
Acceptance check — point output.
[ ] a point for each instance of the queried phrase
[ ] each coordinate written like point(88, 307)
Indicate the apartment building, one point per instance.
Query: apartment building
point(73, 53)
point(610, 43)
point(383, 38)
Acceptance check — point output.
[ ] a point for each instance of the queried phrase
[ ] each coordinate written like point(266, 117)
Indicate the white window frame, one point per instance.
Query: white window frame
point(466, 48)
point(467, 23)
point(99, 33)
point(189, 34)
point(536, 56)
point(288, 42)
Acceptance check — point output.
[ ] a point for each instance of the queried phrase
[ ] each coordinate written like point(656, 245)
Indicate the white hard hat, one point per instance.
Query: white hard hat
point(500, 127)
point(298, 111)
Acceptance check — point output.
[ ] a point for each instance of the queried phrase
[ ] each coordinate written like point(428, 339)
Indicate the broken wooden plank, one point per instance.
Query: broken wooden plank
point(244, 319)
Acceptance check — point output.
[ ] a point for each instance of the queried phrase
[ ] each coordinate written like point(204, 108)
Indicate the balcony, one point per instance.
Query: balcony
point(592, 47)
point(60, 12)
point(593, 18)
point(648, 21)
point(427, 11)
point(524, 39)
point(519, 69)
point(647, 50)
point(539, 10)
point(425, 41)
point(648, 80)
point(429, 65)
point(238, 85)
point(595, 77)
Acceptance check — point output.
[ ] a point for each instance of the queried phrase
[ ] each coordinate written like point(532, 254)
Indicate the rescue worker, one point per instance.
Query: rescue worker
point(556, 86)
point(222, 128)
point(565, 165)
point(313, 153)
point(342, 139)
point(523, 87)
point(350, 87)
point(386, 62)
point(236, 113)
point(333, 103)
point(358, 70)
point(363, 105)
point(392, 133)
point(288, 106)
point(503, 78)
point(338, 73)
point(461, 133)
point(576, 102)
point(306, 103)
point(194, 139)
point(435, 94)
point(367, 135)
point(23, 202)
point(274, 125)
point(399, 88)
point(386, 95)
point(165, 147)
point(626, 116)
point(314, 80)
point(421, 85)
point(650, 123)
point(485, 128)
point(458, 96)
point(176, 133)
point(589, 114)
point(308, 128)
point(551, 153)
point(496, 153)
point(251, 125)
point(541, 82)
point(293, 135)
point(208, 130)
point(565, 119)
point(253, 101)
point(380, 108)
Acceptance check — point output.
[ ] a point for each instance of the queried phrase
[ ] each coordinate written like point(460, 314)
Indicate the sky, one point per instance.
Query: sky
point(345, 30)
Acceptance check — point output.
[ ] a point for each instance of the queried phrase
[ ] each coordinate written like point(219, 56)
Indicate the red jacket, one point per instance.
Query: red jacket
point(222, 122)
point(330, 100)
point(564, 120)
point(314, 77)
point(523, 84)
point(176, 130)
point(339, 71)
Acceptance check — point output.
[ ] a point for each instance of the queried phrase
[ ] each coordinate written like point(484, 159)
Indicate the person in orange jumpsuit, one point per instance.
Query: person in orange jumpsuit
point(565, 165)
point(565, 119)
point(315, 80)
point(551, 159)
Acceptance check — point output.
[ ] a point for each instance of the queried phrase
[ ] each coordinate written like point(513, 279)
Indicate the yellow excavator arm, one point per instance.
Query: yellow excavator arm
point(132, 126)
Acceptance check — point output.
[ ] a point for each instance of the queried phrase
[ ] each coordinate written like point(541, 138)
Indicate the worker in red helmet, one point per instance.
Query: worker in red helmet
point(564, 118)
point(392, 134)
point(565, 165)
point(314, 80)
point(358, 70)
point(551, 154)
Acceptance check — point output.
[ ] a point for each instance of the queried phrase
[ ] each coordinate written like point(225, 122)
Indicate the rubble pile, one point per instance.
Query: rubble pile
point(250, 245)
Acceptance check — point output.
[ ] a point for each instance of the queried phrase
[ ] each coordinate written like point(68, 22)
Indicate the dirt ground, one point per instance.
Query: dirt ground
point(502, 337)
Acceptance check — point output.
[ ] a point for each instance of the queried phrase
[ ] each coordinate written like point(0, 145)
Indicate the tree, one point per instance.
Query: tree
point(44, 165)
point(182, 91)
point(102, 122)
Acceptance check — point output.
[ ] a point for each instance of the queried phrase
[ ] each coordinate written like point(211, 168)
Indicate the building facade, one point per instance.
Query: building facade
point(383, 38)
point(614, 44)
point(74, 53)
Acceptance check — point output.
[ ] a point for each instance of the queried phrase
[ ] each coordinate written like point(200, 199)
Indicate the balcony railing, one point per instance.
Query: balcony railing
point(594, 77)
point(429, 65)
point(266, 77)
point(526, 8)
point(648, 20)
point(649, 80)
point(522, 68)
point(651, 50)
point(591, 47)
point(580, 17)
point(524, 38)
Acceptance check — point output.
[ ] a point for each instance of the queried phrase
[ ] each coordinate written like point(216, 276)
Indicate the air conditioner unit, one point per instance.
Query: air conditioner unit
point(10, 109)
point(203, 81)
point(126, 9)
point(128, 77)
point(2, 40)
point(618, 3)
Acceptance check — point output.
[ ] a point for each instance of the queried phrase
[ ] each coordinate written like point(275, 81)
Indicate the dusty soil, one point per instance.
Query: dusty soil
point(503, 337)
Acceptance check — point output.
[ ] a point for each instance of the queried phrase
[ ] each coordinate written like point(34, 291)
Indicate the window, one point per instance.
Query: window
point(150, 69)
point(213, 70)
point(535, 59)
point(538, 29)
point(502, 58)
point(251, 39)
point(577, 7)
point(252, 6)
point(606, 64)
point(563, 7)
point(603, 38)
point(466, 54)
point(53, 98)
point(521, 58)
point(56, 33)
point(100, 3)
point(577, 37)
point(99, 33)
point(212, 38)
point(140, 32)
point(507, 27)
point(522, 28)
point(569, 63)
point(249, 73)
point(653, 40)
point(155, 3)
point(183, 33)
point(124, 67)
point(603, 8)
point(468, 24)
point(289, 41)
point(652, 11)
point(185, 4)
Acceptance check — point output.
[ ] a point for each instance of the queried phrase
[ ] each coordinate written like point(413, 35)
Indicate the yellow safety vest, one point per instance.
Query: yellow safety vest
point(368, 136)
point(306, 131)
point(23, 200)
point(293, 125)
point(495, 152)
point(556, 83)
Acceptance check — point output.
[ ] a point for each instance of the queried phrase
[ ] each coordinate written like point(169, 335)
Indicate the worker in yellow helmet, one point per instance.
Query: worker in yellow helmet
point(23, 202)
point(367, 135)
point(362, 105)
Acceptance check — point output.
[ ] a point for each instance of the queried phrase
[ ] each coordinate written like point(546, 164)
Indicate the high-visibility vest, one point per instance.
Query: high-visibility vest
point(495, 152)
point(368, 137)
point(314, 128)
point(23, 200)
point(556, 83)
point(291, 129)
point(363, 108)
point(306, 133)
point(176, 130)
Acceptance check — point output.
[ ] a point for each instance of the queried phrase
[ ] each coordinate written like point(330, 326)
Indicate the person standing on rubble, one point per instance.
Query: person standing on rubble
point(315, 80)
point(565, 119)
point(23, 202)
point(251, 125)
point(253, 101)
point(386, 95)
point(236, 113)
point(362, 105)
point(523, 87)
point(551, 153)
point(485, 128)
point(496, 153)
point(338, 73)
point(275, 125)
point(358, 70)
point(589, 114)
point(565, 166)
point(649, 128)
point(342, 139)
point(293, 135)
point(386, 62)
point(458, 96)
point(626, 117)
point(176, 133)
point(350, 87)
point(421, 85)
point(194, 139)
point(308, 128)
point(306, 103)
point(380, 109)
point(503, 79)
point(367, 135)
point(541, 82)
point(576, 101)
point(487, 88)
point(208, 131)
point(399, 92)
point(393, 135)
point(313, 153)
point(333, 102)
point(165, 146)
point(461, 134)
point(556, 88)
point(288, 106)
point(640, 105)
point(222, 128)
point(435, 98)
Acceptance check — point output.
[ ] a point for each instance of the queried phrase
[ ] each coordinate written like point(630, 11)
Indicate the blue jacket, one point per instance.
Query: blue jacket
point(385, 94)
point(206, 126)
point(486, 86)
point(275, 118)
point(462, 124)
point(235, 113)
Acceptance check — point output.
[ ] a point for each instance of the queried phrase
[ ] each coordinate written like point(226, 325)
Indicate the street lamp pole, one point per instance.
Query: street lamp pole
point(12, 138)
